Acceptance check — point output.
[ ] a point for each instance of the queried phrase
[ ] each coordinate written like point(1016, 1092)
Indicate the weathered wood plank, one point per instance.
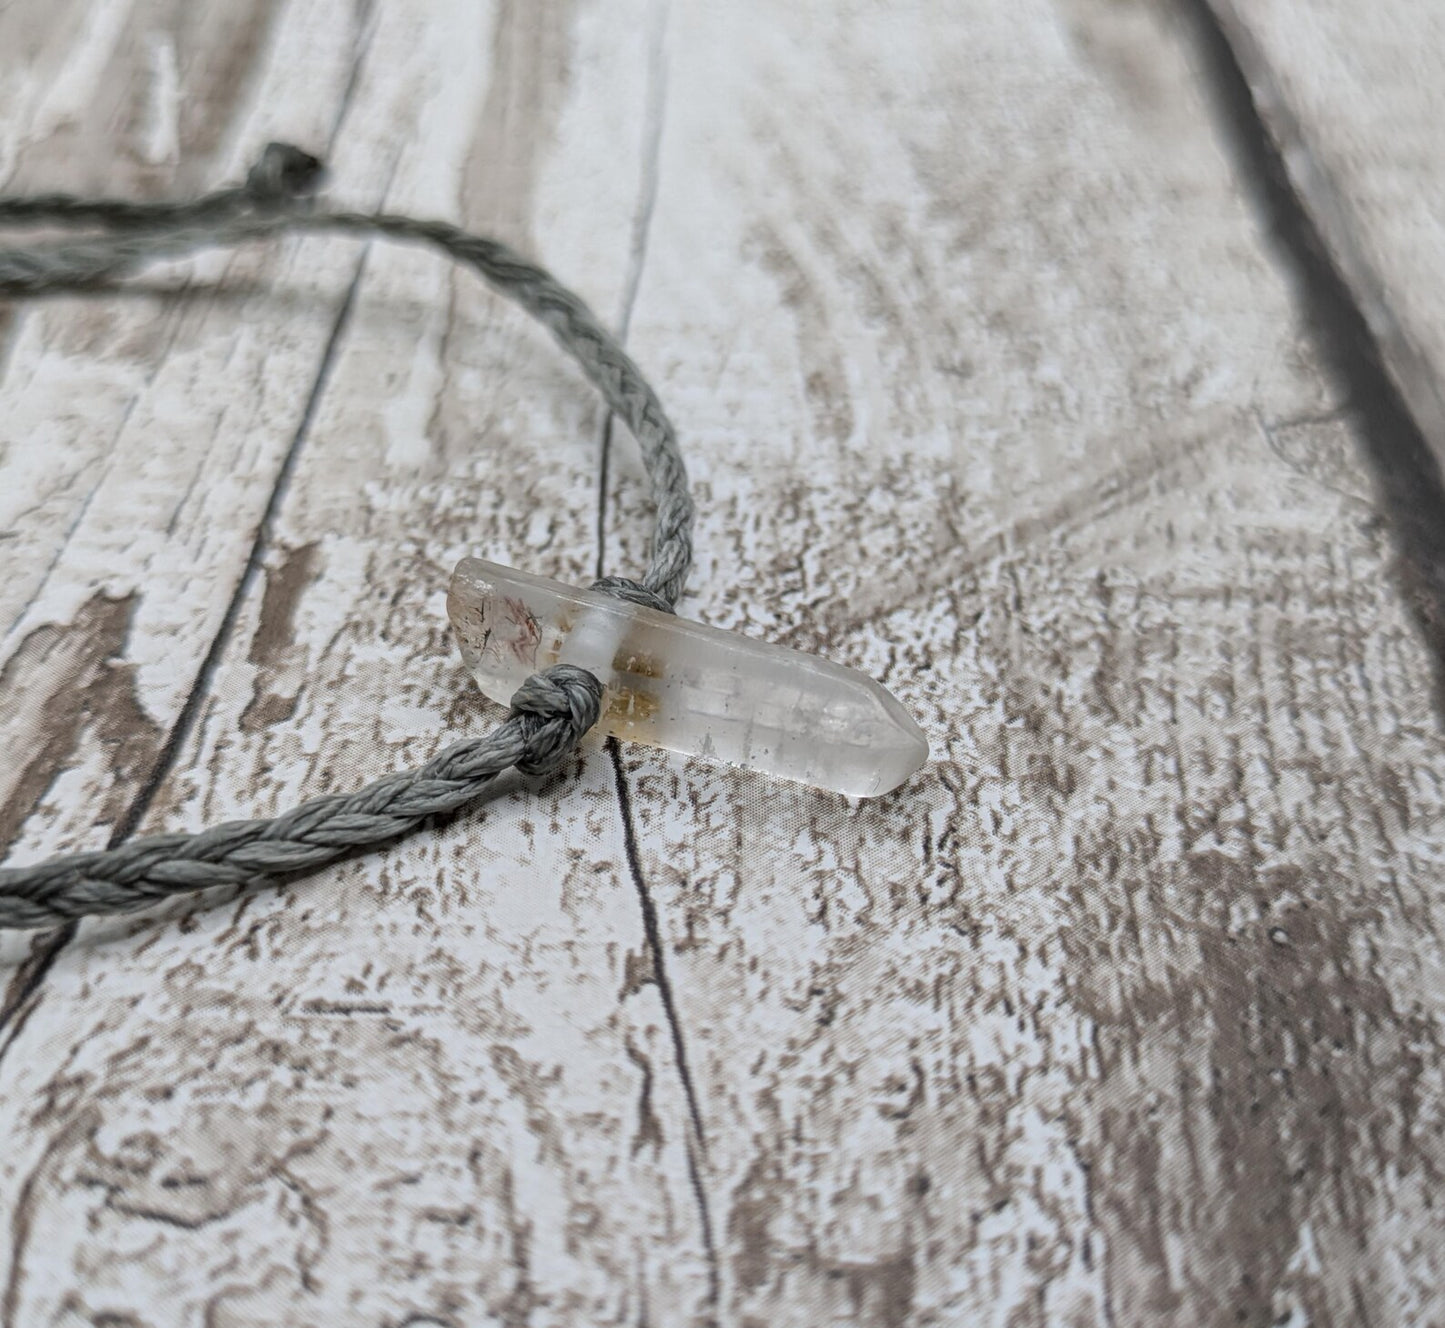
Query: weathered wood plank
point(1353, 96)
point(1128, 1010)
point(466, 1109)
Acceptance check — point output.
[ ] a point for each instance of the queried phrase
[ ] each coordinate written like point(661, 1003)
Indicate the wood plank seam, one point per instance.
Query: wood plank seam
point(1357, 344)
point(637, 257)
point(1335, 222)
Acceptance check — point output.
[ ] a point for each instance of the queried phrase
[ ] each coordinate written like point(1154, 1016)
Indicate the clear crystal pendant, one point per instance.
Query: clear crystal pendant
point(687, 687)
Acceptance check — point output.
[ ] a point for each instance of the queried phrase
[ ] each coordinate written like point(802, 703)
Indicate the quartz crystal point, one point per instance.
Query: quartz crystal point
point(690, 688)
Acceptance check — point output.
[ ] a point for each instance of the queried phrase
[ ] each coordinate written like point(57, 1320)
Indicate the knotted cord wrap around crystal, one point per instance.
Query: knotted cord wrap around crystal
point(682, 685)
point(563, 690)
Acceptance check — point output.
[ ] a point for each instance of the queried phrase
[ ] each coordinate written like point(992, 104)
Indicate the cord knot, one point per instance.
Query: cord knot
point(560, 704)
point(634, 592)
point(283, 174)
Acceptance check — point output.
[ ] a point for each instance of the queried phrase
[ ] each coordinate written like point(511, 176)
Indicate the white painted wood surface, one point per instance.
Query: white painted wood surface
point(1128, 1010)
point(1354, 96)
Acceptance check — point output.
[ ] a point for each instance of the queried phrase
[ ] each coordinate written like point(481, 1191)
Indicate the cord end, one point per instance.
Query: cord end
point(284, 174)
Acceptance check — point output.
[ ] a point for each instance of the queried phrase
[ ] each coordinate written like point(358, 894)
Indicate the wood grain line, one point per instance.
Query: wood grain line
point(22, 992)
point(365, 30)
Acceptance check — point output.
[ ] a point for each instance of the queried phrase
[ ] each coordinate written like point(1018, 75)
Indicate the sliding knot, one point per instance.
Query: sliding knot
point(559, 704)
point(634, 592)
point(283, 174)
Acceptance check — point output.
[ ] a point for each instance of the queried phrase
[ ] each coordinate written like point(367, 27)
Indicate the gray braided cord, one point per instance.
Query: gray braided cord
point(552, 709)
point(282, 177)
point(268, 206)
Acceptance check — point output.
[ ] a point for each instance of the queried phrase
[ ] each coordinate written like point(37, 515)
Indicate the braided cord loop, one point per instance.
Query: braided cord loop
point(551, 710)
